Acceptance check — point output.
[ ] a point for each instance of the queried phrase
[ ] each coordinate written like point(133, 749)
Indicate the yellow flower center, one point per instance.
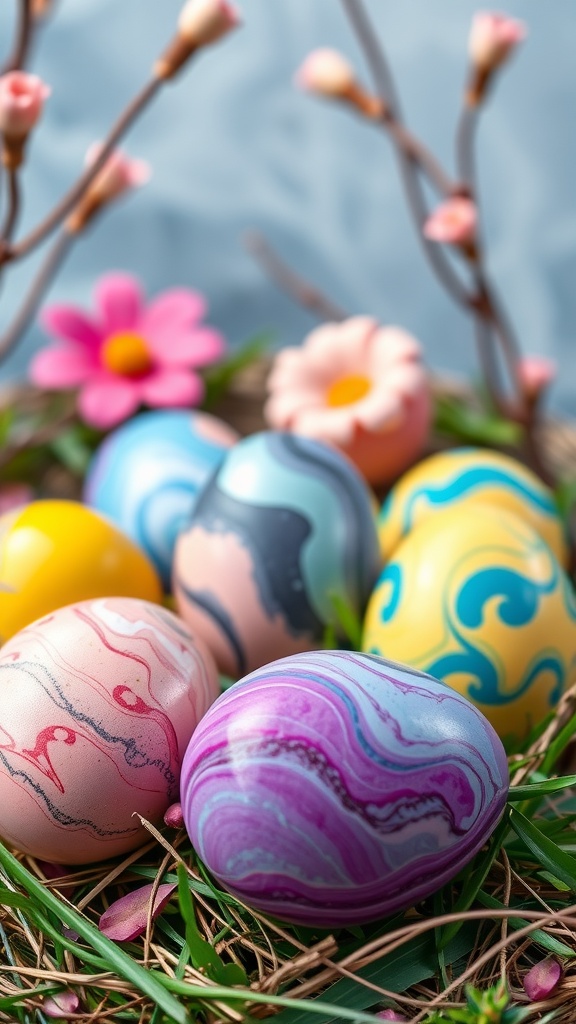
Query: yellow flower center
point(127, 354)
point(348, 390)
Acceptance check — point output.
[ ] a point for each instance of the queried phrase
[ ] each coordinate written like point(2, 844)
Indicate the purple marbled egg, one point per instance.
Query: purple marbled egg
point(332, 788)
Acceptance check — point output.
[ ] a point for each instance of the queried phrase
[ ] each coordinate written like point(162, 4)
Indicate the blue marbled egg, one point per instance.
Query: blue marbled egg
point(282, 534)
point(147, 474)
point(332, 788)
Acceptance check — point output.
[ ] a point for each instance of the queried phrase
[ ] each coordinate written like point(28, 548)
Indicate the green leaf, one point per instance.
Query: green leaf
point(454, 417)
point(475, 879)
point(558, 745)
point(540, 937)
point(538, 789)
point(219, 378)
point(347, 619)
point(71, 450)
point(203, 955)
point(117, 960)
point(547, 852)
point(408, 965)
point(6, 422)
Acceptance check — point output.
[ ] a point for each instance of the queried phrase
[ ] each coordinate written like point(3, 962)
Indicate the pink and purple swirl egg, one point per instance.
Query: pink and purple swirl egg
point(334, 788)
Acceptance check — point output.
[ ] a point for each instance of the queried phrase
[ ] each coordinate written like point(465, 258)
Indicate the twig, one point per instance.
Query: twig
point(73, 196)
point(294, 285)
point(12, 207)
point(27, 312)
point(18, 56)
point(465, 147)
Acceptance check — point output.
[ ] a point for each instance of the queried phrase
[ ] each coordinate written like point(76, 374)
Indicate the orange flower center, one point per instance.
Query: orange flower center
point(127, 354)
point(347, 390)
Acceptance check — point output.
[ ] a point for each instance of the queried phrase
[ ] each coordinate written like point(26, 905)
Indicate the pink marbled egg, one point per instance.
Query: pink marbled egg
point(97, 704)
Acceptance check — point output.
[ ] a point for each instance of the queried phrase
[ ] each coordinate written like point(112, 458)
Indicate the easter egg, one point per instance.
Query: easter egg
point(98, 703)
point(454, 479)
point(481, 602)
point(281, 535)
point(334, 788)
point(55, 552)
point(147, 475)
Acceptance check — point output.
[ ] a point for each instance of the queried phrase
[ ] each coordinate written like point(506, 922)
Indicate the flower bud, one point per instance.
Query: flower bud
point(542, 979)
point(535, 374)
point(453, 222)
point(201, 23)
point(118, 175)
point(21, 102)
point(327, 73)
point(174, 817)
point(493, 38)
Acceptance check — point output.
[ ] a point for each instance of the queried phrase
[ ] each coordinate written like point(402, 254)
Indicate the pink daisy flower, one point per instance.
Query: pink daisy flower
point(129, 353)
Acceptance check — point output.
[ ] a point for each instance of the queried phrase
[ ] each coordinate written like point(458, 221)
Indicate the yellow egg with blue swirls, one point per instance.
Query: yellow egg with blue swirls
point(54, 553)
point(463, 475)
point(479, 601)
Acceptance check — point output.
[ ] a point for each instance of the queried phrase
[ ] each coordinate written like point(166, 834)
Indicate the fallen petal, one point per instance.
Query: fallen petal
point(126, 918)
point(61, 1005)
point(542, 979)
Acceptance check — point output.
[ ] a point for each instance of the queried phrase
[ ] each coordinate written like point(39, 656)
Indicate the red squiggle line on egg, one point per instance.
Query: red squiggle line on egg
point(39, 756)
point(139, 707)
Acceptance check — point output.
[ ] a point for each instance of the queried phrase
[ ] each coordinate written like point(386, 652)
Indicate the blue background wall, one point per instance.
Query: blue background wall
point(233, 146)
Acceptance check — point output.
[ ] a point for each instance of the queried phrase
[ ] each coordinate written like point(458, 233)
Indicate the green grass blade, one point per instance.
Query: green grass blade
point(8, 1002)
point(546, 851)
point(475, 880)
point(117, 960)
point(558, 746)
point(538, 789)
point(547, 942)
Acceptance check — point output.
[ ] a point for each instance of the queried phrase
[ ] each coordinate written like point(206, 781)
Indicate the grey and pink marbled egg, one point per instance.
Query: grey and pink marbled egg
point(97, 704)
point(333, 788)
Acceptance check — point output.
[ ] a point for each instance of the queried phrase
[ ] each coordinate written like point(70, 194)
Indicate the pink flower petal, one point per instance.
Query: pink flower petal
point(335, 426)
point(126, 918)
point(62, 367)
point(69, 324)
point(108, 400)
point(283, 409)
point(542, 979)
point(171, 388)
point(119, 298)
point(392, 345)
point(61, 1005)
point(195, 347)
point(174, 310)
point(392, 1015)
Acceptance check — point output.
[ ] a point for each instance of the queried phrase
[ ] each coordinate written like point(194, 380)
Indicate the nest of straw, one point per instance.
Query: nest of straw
point(513, 906)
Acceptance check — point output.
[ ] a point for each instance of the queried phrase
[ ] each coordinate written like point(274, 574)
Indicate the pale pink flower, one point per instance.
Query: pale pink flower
point(21, 102)
point(126, 918)
point(61, 1005)
point(453, 222)
point(326, 72)
point(128, 354)
point(358, 386)
point(203, 22)
point(536, 373)
point(118, 174)
point(542, 979)
point(493, 37)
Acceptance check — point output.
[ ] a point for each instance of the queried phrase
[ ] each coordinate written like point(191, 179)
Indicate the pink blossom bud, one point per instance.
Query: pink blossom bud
point(203, 22)
point(119, 174)
point(174, 817)
point(326, 72)
point(453, 222)
point(536, 373)
point(542, 979)
point(21, 101)
point(493, 37)
point(392, 1015)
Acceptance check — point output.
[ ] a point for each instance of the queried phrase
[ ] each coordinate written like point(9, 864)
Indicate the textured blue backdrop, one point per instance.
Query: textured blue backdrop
point(234, 146)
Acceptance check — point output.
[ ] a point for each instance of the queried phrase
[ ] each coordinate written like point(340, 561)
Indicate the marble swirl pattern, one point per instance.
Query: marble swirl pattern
point(454, 479)
point(479, 601)
point(148, 473)
point(97, 704)
point(283, 529)
point(332, 788)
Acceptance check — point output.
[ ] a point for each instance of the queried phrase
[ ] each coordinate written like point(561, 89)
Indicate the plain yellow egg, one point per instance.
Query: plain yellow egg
point(53, 553)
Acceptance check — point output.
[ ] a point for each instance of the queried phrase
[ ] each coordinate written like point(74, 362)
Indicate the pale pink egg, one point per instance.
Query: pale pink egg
point(97, 704)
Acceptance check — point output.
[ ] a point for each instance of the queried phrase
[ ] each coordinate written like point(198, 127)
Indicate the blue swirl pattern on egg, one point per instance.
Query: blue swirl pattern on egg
point(147, 474)
point(334, 788)
point(283, 531)
point(478, 599)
